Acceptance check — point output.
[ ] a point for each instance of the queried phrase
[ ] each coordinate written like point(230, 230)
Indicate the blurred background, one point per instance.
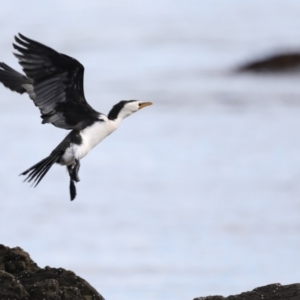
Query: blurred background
point(196, 195)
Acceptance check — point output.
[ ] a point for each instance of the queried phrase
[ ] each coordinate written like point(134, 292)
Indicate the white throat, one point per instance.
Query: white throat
point(94, 134)
point(91, 137)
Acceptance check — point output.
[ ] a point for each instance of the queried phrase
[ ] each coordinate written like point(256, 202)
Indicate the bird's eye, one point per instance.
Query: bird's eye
point(140, 104)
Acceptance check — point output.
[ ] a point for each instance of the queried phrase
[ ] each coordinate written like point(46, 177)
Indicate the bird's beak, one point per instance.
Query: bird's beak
point(144, 104)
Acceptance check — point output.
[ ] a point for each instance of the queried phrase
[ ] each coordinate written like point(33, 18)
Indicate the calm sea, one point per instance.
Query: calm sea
point(196, 195)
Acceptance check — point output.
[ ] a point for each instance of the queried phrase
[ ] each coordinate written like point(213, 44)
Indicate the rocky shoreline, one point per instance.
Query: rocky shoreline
point(269, 292)
point(22, 279)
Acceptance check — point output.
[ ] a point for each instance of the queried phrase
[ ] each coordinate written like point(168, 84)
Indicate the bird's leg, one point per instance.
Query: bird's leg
point(74, 170)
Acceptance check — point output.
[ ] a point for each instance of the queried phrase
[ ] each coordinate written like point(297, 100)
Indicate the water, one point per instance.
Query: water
point(196, 195)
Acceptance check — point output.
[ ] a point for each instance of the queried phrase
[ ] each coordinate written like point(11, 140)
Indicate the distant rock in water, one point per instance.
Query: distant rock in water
point(286, 62)
point(22, 279)
point(269, 292)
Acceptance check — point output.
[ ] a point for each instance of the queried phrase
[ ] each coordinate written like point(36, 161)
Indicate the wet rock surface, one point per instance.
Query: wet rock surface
point(269, 292)
point(277, 63)
point(22, 279)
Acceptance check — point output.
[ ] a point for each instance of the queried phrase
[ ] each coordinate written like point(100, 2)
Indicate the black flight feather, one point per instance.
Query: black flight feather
point(57, 81)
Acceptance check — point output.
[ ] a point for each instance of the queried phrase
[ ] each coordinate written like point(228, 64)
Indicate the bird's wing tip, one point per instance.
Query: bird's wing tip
point(19, 35)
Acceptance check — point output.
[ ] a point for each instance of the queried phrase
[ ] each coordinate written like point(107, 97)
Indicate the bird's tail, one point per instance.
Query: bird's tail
point(39, 170)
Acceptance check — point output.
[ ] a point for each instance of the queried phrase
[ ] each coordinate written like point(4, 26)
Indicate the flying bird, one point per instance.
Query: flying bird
point(54, 81)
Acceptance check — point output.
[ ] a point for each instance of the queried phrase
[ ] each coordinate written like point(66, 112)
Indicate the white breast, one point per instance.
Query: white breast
point(91, 137)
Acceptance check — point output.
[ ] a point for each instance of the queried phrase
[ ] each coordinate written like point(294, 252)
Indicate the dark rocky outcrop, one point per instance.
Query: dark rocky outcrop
point(22, 279)
point(277, 63)
point(269, 292)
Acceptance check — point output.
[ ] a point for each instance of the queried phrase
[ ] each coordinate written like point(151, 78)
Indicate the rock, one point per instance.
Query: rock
point(269, 292)
point(22, 279)
point(285, 62)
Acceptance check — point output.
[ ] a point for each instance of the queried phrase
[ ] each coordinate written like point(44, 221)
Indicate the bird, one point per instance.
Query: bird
point(54, 82)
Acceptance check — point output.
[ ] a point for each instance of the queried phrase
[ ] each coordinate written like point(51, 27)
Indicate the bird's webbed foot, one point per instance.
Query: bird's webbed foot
point(72, 190)
point(73, 172)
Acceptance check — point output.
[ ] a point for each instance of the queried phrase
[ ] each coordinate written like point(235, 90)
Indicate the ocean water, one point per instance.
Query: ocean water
point(196, 195)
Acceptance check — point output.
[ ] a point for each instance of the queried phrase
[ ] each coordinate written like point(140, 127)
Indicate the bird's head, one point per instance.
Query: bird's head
point(125, 108)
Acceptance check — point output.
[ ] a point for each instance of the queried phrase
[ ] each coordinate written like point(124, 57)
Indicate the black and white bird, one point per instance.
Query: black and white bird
point(54, 81)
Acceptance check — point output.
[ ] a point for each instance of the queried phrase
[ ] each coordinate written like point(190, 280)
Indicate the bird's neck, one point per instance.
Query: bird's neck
point(115, 123)
point(117, 114)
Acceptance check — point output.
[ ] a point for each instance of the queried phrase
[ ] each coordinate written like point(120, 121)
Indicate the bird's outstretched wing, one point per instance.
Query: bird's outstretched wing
point(13, 79)
point(57, 84)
